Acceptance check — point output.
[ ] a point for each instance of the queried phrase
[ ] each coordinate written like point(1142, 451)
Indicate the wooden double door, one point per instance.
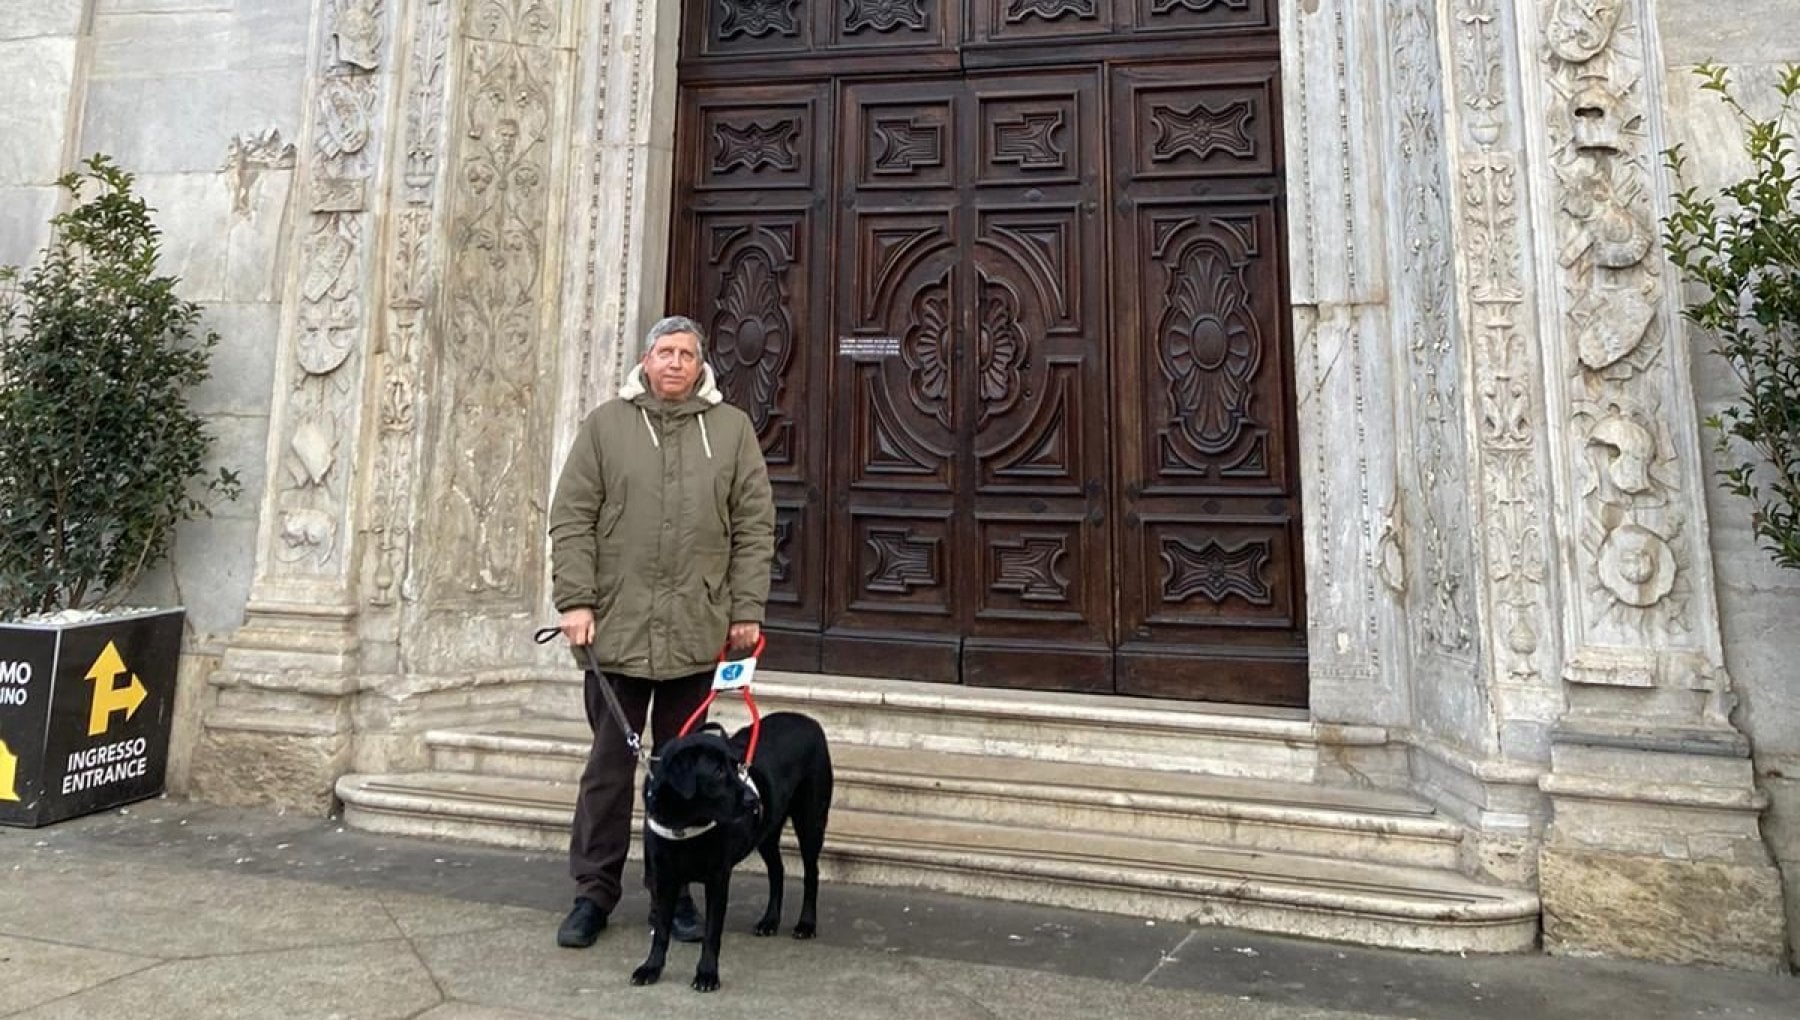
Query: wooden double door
point(1000, 283)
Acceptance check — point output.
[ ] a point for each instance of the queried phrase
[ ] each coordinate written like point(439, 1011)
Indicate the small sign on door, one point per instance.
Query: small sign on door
point(868, 348)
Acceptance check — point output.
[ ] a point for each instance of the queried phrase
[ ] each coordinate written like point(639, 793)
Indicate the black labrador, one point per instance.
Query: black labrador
point(704, 813)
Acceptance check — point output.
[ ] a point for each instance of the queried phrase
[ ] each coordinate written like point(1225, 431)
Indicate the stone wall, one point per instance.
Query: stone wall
point(41, 57)
point(1758, 601)
point(202, 100)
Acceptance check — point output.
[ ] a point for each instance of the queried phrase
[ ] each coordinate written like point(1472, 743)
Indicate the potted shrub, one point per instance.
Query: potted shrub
point(100, 459)
point(1739, 252)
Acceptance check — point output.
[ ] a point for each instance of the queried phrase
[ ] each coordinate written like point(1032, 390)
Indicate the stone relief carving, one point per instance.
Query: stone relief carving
point(358, 34)
point(1579, 29)
point(487, 450)
point(331, 322)
point(1633, 537)
point(250, 156)
point(393, 507)
point(1498, 330)
point(1440, 487)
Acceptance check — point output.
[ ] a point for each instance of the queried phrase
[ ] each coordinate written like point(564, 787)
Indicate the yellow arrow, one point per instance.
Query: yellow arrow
point(108, 696)
point(9, 773)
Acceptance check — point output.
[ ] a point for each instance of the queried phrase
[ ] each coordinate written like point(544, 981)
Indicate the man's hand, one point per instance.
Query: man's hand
point(742, 636)
point(578, 626)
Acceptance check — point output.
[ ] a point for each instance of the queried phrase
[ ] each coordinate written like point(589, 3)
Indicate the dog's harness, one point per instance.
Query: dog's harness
point(729, 675)
point(734, 675)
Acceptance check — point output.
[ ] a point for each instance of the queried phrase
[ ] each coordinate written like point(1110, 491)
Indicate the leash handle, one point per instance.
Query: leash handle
point(762, 641)
point(633, 742)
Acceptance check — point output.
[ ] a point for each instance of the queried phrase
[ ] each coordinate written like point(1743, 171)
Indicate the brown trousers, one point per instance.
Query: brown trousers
point(601, 837)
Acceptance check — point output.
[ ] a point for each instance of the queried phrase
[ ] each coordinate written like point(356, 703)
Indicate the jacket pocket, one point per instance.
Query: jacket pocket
point(609, 517)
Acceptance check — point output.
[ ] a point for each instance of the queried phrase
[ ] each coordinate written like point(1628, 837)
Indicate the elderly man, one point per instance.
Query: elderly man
point(662, 531)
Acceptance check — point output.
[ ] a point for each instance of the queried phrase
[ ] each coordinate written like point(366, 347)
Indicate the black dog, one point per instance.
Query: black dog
point(703, 816)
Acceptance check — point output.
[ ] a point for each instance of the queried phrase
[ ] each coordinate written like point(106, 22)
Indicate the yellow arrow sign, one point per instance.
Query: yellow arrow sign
point(109, 697)
point(9, 773)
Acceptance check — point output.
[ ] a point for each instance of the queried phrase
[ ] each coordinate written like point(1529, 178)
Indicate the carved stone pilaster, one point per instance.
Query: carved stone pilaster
point(279, 732)
point(1500, 329)
point(484, 465)
point(1343, 371)
point(1655, 849)
point(400, 401)
point(1456, 255)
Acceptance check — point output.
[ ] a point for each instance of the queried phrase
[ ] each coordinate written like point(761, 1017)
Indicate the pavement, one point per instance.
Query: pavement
point(170, 909)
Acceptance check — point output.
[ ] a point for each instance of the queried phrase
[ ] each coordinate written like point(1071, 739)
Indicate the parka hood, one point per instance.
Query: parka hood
point(707, 389)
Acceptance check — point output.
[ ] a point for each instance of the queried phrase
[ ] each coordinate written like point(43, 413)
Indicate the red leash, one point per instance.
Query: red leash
point(729, 675)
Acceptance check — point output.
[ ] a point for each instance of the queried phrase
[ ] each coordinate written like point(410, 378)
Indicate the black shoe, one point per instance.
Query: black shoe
point(687, 926)
point(583, 925)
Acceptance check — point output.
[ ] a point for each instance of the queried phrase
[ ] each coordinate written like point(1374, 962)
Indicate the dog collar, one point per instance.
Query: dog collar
point(679, 834)
point(691, 831)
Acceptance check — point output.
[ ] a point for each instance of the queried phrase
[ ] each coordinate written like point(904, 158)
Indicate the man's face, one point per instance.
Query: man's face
point(672, 365)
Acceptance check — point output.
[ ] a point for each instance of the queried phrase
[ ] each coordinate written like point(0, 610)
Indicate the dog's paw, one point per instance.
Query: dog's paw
point(805, 930)
point(706, 981)
point(766, 927)
point(646, 975)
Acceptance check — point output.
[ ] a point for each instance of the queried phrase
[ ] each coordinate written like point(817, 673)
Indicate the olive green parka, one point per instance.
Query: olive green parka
point(664, 524)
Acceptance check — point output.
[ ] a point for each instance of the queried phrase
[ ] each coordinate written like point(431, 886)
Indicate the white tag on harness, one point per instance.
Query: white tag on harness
point(734, 674)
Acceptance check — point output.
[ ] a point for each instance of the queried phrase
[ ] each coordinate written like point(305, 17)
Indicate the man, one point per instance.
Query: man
point(662, 531)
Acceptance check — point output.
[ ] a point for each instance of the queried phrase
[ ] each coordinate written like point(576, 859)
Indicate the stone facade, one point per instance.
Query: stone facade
point(431, 230)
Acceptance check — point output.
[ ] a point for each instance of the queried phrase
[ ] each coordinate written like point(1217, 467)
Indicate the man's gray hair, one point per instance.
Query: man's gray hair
point(676, 324)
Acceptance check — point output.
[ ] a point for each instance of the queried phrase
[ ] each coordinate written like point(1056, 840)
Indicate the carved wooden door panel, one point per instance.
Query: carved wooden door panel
point(1000, 282)
point(748, 264)
point(970, 517)
point(898, 408)
point(1209, 550)
point(1038, 574)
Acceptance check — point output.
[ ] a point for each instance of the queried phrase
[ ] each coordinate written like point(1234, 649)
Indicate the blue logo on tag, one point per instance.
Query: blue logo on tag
point(731, 672)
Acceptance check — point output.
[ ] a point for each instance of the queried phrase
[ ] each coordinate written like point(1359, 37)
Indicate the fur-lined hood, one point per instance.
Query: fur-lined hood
point(707, 389)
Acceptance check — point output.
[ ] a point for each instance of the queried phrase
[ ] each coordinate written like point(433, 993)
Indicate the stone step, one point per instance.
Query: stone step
point(1224, 740)
point(1357, 824)
point(1183, 881)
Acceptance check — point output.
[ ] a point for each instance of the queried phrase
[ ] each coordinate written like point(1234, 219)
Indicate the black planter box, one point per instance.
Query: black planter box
point(85, 710)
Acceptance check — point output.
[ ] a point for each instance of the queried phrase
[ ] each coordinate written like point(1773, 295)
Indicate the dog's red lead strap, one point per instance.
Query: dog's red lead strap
point(755, 721)
point(755, 727)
